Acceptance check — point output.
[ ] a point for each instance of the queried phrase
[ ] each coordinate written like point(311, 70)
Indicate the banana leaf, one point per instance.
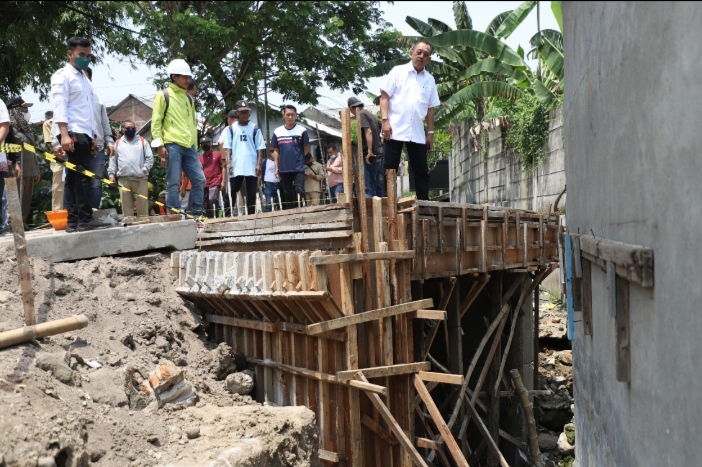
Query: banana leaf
point(439, 25)
point(514, 19)
point(481, 41)
point(543, 93)
point(556, 8)
point(493, 66)
point(484, 89)
point(552, 57)
point(497, 22)
point(461, 16)
point(420, 26)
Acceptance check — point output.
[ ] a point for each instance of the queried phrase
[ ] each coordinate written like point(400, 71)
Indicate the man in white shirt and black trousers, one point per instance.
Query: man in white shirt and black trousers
point(408, 96)
point(72, 95)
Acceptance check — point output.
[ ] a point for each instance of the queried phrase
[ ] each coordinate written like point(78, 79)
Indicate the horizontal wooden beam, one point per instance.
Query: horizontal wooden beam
point(440, 377)
point(381, 371)
point(241, 323)
point(428, 444)
point(328, 456)
point(438, 315)
point(278, 326)
point(314, 329)
point(356, 257)
point(316, 227)
point(290, 212)
point(319, 376)
point(633, 262)
point(281, 237)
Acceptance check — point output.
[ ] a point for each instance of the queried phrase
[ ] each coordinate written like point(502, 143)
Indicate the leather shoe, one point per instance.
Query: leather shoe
point(71, 228)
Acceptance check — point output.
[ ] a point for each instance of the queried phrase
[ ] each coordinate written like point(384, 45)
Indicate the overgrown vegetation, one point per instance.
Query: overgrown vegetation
point(528, 132)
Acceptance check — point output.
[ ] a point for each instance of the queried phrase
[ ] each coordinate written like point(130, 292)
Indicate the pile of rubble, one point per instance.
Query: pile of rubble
point(555, 411)
point(140, 386)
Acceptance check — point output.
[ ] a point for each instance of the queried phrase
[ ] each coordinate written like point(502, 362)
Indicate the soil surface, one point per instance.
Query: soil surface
point(58, 408)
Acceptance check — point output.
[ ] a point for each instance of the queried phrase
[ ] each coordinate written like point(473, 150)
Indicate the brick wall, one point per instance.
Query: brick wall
point(132, 109)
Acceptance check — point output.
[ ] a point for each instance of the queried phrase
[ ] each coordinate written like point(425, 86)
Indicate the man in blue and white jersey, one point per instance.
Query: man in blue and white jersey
point(244, 145)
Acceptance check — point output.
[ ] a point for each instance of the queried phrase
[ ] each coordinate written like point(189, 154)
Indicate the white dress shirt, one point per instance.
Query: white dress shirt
point(72, 94)
point(411, 95)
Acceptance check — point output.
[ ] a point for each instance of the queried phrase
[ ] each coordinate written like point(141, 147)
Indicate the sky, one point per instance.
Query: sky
point(113, 80)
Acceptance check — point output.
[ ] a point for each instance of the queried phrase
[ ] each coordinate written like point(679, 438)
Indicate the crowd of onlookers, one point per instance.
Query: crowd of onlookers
point(204, 180)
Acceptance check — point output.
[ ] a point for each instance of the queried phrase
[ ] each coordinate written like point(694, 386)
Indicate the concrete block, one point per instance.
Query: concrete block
point(59, 246)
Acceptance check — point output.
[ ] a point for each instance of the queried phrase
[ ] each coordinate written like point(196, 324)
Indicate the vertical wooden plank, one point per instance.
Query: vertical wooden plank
point(340, 447)
point(586, 285)
point(440, 229)
point(324, 409)
point(347, 155)
point(612, 288)
point(622, 321)
point(464, 221)
point(541, 241)
point(415, 237)
point(577, 258)
point(495, 289)
point(518, 237)
point(425, 249)
point(525, 233)
point(504, 239)
point(483, 246)
point(352, 364)
point(457, 246)
point(569, 285)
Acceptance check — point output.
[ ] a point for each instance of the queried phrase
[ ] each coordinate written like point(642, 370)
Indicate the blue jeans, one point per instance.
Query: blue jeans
point(182, 159)
point(97, 166)
point(370, 172)
point(335, 190)
point(270, 191)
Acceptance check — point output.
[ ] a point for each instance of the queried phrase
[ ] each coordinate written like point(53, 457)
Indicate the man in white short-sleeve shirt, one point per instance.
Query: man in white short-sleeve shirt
point(408, 95)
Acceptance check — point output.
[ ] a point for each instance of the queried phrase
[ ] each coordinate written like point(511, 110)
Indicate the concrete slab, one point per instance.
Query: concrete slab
point(59, 246)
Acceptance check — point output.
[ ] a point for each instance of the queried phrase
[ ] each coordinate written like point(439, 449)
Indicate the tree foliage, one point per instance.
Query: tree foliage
point(297, 45)
point(34, 34)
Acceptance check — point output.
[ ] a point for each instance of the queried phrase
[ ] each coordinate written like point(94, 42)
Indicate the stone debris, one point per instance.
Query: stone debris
point(240, 383)
point(170, 386)
point(57, 364)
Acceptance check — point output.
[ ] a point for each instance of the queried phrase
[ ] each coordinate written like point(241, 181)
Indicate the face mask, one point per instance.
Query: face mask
point(27, 115)
point(130, 133)
point(82, 62)
point(206, 147)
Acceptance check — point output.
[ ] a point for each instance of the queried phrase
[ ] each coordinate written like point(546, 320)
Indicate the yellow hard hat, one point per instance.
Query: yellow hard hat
point(151, 186)
point(163, 193)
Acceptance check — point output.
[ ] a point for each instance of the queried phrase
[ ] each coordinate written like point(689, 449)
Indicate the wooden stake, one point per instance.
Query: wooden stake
point(14, 210)
point(37, 331)
point(529, 416)
point(347, 169)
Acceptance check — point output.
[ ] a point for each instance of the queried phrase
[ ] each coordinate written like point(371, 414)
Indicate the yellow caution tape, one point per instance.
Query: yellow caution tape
point(69, 165)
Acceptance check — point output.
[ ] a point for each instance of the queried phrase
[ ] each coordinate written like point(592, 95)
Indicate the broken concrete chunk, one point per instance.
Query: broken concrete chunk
point(240, 383)
point(57, 363)
point(170, 386)
point(106, 387)
point(46, 462)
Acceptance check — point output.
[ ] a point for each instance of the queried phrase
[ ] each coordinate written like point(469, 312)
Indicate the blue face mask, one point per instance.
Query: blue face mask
point(82, 63)
point(130, 133)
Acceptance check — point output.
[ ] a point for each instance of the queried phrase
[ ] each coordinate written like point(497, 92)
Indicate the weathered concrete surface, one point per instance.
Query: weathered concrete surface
point(632, 138)
point(58, 246)
point(500, 178)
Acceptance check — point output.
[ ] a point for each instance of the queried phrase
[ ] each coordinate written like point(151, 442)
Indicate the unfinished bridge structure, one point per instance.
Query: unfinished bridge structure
point(396, 321)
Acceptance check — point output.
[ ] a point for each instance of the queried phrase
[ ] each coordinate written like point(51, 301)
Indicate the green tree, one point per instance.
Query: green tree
point(231, 46)
point(34, 34)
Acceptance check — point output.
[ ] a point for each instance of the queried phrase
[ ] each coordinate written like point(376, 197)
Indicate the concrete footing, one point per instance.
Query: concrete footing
point(59, 246)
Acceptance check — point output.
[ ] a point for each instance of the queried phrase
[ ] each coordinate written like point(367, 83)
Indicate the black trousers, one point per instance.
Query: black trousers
point(77, 187)
point(235, 184)
point(417, 153)
point(293, 184)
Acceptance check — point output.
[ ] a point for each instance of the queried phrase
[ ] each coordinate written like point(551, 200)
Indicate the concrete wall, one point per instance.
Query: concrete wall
point(500, 179)
point(632, 135)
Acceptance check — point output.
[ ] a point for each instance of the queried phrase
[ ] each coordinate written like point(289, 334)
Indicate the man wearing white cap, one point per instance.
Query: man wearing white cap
point(174, 128)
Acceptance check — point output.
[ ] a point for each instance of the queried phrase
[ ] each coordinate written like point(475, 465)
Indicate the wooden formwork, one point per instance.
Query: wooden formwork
point(326, 303)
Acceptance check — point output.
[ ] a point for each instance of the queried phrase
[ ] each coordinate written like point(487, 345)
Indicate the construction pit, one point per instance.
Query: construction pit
point(387, 332)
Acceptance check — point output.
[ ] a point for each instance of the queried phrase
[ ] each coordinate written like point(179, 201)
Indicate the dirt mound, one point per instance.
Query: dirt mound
point(86, 397)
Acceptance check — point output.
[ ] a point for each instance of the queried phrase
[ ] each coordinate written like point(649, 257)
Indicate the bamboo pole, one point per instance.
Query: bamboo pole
point(15, 211)
point(36, 331)
point(529, 416)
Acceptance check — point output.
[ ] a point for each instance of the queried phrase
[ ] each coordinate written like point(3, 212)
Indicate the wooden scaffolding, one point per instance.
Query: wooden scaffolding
point(365, 312)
